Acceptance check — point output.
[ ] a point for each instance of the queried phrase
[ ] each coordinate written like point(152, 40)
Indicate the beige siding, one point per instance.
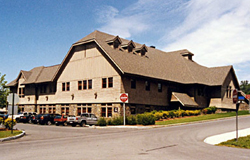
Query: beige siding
point(88, 64)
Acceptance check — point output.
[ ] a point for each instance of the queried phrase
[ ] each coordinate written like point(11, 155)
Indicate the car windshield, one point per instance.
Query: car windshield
point(58, 117)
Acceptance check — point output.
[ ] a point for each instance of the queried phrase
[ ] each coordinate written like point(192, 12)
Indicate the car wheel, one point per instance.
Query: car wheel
point(65, 123)
point(83, 123)
point(73, 125)
point(49, 123)
point(57, 124)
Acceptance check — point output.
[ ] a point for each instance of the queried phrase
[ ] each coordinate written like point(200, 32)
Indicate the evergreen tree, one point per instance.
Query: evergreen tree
point(245, 86)
point(4, 92)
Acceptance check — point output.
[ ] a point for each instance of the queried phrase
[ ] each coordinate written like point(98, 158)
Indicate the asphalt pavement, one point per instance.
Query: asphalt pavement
point(174, 142)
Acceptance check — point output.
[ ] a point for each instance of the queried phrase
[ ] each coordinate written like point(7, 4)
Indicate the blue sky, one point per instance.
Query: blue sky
point(40, 33)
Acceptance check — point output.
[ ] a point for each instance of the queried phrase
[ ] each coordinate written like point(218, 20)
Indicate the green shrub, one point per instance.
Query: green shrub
point(8, 123)
point(172, 114)
point(145, 119)
point(204, 111)
point(101, 122)
point(131, 120)
point(1, 120)
point(165, 114)
point(158, 116)
point(109, 121)
point(117, 121)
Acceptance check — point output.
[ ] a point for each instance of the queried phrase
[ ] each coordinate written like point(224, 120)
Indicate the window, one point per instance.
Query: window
point(110, 79)
point(109, 111)
point(230, 91)
point(84, 110)
point(67, 110)
point(90, 84)
point(104, 83)
point(133, 83)
point(63, 110)
point(21, 92)
point(79, 85)
point(147, 86)
point(103, 113)
point(84, 84)
point(68, 86)
point(50, 110)
point(63, 86)
point(89, 110)
point(79, 111)
point(159, 87)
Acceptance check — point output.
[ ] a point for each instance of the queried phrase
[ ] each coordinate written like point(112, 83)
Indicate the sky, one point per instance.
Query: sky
point(40, 33)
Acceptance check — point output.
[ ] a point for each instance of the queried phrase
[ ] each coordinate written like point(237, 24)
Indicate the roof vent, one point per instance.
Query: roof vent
point(187, 54)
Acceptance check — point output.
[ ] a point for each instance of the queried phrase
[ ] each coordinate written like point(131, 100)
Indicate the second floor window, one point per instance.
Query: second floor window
point(133, 83)
point(104, 83)
point(110, 82)
point(159, 87)
point(66, 86)
point(21, 92)
point(147, 86)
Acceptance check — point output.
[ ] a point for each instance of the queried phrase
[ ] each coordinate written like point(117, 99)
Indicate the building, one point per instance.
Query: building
point(100, 66)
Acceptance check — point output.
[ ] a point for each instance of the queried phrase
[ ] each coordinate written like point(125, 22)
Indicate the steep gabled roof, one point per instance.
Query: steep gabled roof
point(157, 64)
point(170, 66)
point(37, 75)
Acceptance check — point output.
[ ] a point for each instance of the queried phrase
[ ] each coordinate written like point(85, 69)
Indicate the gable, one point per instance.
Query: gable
point(86, 61)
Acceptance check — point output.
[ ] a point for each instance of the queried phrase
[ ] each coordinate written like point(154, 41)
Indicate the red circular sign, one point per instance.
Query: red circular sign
point(235, 96)
point(124, 97)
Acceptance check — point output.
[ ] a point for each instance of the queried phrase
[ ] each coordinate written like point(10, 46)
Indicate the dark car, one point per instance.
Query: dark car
point(47, 119)
point(35, 119)
point(27, 117)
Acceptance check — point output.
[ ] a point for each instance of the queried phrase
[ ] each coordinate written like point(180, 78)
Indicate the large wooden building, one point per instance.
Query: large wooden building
point(100, 66)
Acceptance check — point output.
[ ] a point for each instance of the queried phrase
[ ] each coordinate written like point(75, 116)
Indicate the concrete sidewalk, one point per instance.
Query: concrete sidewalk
point(213, 140)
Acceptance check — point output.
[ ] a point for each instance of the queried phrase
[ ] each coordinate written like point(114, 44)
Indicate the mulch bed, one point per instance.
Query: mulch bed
point(4, 129)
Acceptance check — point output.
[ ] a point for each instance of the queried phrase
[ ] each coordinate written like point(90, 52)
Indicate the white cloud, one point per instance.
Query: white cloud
point(220, 38)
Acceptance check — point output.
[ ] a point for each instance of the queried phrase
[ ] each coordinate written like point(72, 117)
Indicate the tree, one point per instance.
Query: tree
point(245, 86)
point(4, 92)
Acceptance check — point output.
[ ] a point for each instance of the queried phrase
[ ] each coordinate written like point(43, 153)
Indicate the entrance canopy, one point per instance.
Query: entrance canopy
point(184, 99)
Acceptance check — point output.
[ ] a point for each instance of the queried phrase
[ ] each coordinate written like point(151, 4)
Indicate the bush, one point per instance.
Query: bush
point(158, 116)
point(1, 120)
point(209, 110)
point(171, 114)
point(117, 120)
point(101, 122)
point(165, 114)
point(145, 119)
point(131, 120)
point(8, 123)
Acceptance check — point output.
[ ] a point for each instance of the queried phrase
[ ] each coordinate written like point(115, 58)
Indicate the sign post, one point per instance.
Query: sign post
point(124, 99)
point(235, 101)
point(248, 97)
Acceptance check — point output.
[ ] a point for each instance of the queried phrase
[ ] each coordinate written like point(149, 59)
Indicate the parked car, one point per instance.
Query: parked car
point(83, 119)
point(35, 119)
point(62, 119)
point(16, 117)
point(4, 116)
point(47, 119)
point(27, 117)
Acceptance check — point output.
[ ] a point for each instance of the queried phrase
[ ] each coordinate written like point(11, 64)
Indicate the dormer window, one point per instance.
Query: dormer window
point(115, 42)
point(142, 50)
point(129, 46)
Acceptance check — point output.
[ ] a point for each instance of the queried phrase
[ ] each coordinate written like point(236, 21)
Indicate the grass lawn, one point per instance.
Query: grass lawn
point(243, 142)
point(200, 118)
point(4, 134)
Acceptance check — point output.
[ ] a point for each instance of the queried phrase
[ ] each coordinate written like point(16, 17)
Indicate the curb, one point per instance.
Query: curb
point(14, 137)
point(217, 139)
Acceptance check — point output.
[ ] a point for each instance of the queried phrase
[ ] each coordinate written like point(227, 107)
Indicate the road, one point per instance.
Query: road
point(175, 142)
